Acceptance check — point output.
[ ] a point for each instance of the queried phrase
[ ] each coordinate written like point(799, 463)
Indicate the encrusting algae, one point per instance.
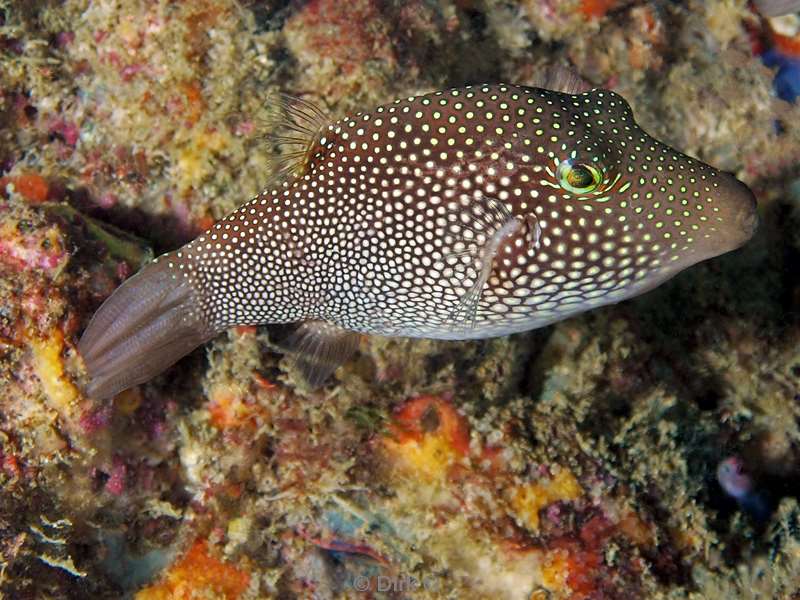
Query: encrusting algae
point(469, 213)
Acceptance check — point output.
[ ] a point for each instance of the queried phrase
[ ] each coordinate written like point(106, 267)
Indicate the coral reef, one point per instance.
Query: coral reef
point(579, 461)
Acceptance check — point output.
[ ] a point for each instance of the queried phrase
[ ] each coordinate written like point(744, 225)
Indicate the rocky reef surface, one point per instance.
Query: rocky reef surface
point(644, 450)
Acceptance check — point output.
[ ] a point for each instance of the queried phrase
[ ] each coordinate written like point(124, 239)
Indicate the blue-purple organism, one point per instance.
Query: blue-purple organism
point(734, 479)
point(787, 78)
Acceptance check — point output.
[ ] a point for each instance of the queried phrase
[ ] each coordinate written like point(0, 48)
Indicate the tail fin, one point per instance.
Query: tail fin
point(145, 326)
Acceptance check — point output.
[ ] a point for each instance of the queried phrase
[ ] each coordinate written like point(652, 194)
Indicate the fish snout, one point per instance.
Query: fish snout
point(738, 213)
point(746, 212)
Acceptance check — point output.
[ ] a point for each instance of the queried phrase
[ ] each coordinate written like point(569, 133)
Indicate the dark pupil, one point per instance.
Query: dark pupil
point(580, 177)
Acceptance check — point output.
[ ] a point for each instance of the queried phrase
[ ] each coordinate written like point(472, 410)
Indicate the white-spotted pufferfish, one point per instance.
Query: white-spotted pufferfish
point(467, 213)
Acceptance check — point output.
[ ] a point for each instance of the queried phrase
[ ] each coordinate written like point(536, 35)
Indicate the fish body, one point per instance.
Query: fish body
point(467, 213)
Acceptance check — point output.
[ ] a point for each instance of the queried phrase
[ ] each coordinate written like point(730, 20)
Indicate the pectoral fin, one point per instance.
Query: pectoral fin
point(492, 223)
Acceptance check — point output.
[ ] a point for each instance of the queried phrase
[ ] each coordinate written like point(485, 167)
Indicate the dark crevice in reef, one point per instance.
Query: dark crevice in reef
point(270, 15)
point(463, 57)
point(163, 232)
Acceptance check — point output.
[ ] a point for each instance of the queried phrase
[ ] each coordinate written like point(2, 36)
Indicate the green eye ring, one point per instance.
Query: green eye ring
point(579, 177)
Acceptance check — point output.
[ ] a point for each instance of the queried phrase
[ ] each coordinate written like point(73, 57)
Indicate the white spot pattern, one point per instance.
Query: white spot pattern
point(384, 231)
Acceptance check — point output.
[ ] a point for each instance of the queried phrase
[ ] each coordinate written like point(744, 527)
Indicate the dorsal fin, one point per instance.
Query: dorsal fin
point(561, 79)
point(292, 126)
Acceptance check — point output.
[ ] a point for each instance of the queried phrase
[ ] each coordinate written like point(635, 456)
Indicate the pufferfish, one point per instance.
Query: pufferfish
point(468, 213)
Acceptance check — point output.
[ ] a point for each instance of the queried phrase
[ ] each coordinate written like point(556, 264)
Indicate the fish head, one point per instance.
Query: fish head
point(650, 210)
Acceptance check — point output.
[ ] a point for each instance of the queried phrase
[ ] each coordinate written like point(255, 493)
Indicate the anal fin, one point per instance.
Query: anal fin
point(317, 348)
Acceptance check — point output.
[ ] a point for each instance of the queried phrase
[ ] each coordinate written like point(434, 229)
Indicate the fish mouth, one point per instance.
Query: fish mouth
point(744, 208)
point(734, 219)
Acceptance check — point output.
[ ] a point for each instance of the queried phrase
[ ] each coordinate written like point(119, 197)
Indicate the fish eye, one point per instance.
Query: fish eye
point(579, 177)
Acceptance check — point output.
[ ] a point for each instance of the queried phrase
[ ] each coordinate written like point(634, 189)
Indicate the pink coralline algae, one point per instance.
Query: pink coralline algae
point(69, 132)
point(117, 478)
point(96, 419)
